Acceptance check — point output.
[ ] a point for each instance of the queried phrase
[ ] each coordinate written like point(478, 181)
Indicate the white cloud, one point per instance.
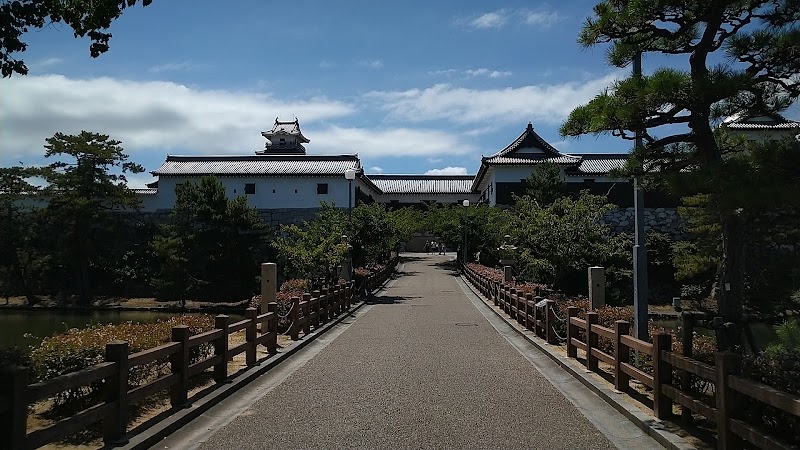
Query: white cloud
point(443, 72)
point(177, 67)
point(434, 160)
point(326, 65)
point(386, 143)
point(495, 19)
point(484, 72)
point(547, 103)
point(448, 171)
point(153, 115)
point(375, 64)
point(541, 17)
point(376, 169)
point(45, 63)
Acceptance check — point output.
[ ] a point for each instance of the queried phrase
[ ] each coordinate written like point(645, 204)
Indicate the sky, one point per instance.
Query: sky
point(412, 87)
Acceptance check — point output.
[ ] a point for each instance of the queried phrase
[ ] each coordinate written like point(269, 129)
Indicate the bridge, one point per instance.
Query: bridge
point(425, 364)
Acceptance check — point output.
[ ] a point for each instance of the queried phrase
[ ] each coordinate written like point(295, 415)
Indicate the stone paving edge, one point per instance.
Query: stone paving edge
point(649, 424)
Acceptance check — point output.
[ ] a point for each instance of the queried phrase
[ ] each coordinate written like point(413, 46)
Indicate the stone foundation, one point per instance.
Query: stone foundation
point(665, 220)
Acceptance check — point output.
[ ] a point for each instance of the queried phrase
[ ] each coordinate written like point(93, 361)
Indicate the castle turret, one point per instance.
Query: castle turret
point(285, 138)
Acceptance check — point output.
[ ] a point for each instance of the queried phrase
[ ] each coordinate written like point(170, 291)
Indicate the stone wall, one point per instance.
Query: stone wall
point(665, 220)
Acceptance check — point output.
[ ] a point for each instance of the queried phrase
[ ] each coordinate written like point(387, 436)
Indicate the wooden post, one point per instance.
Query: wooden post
point(250, 334)
point(622, 355)
point(550, 322)
point(572, 332)
point(591, 341)
point(179, 363)
point(337, 299)
point(221, 348)
point(318, 304)
point(537, 317)
point(662, 375)
point(14, 418)
point(269, 284)
point(294, 316)
point(348, 293)
point(323, 304)
point(496, 293)
point(307, 313)
point(530, 308)
point(116, 393)
point(687, 335)
point(512, 303)
point(272, 327)
point(726, 363)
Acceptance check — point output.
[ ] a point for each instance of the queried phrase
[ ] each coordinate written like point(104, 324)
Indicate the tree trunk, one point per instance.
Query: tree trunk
point(84, 288)
point(731, 283)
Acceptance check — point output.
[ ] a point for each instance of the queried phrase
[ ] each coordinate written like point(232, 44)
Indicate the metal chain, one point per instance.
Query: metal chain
point(289, 330)
point(555, 314)
point(560, 337)
point(287, 313)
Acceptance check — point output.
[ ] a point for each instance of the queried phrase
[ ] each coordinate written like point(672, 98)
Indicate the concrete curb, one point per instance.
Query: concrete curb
point(158, 431)
point(649, 424)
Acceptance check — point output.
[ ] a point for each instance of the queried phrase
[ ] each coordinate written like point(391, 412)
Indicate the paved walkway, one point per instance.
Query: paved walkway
point(423, 368)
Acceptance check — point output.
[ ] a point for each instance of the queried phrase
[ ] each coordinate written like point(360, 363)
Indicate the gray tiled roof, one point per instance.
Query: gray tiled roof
point(563, 159)
point(268, 165)
point(145, 191)
point(600, 163)
point(770, 122)
point(423, 184)
point(288, 128)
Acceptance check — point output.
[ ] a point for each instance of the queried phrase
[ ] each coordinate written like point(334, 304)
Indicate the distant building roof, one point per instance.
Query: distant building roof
point(267, 165)
point(145, 191)
point(598, 163)
point(762, 122)
point(423, 184)
point(286, 129)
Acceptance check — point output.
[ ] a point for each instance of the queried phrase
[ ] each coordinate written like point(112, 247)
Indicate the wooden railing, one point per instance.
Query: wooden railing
point(16, 394)
point(730, 389)
point(313, 310)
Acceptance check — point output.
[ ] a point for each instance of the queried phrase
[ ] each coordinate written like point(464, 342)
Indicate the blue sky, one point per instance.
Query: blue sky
point(412, 87)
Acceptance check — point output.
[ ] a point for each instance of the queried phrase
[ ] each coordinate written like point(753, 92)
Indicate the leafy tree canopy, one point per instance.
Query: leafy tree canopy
point(564, 236)
point(212, 248)
point(86, 19)
point(545, 184)
point(80, 192)
point(674, 110)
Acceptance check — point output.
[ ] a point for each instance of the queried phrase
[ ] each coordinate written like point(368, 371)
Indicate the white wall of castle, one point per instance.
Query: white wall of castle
point(270, 192)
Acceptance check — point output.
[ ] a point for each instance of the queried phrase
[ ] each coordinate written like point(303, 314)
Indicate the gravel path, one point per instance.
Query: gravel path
point(421, 369)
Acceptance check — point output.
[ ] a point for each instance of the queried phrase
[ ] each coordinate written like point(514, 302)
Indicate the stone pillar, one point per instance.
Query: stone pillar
point(508, 274)
point(269, 284)
point(597, 287)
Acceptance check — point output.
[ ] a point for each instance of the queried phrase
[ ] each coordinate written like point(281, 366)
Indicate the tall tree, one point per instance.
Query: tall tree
point(82, 193)
point(545, 184)
point(315, 248)
point(85, 18)
point(18, 251)
point(212, 248)
point(673, 110)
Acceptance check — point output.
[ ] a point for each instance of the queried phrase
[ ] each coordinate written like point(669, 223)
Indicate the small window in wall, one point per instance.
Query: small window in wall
point(250, 188)
point(322, 188)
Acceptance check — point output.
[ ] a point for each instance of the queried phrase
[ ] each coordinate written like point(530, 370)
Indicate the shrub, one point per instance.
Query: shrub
point(779, 368)
point(79, 349)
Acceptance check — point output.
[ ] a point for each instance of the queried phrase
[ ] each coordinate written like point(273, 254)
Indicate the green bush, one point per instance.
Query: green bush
point(79, 349)
point(779, 368)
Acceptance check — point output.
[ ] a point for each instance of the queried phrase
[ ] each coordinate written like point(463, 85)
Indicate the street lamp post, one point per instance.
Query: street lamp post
point(640, 288)
point(350, 175)
point(465, 203)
